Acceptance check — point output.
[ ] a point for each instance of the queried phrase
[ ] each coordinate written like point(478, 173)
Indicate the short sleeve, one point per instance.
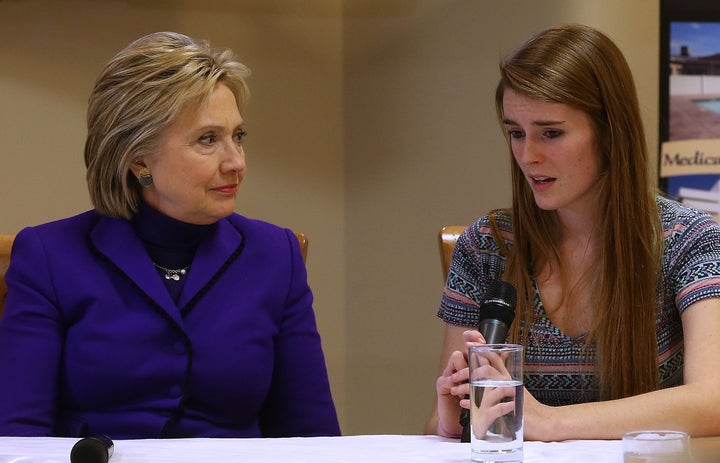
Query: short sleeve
point(691, 260)
point(477, 260)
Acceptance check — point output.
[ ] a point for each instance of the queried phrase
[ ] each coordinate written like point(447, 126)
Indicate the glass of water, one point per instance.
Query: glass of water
point(496, 403)
point(656, 447)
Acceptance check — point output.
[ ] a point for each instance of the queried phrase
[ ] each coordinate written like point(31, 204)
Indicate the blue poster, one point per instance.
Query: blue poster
point(690, 156)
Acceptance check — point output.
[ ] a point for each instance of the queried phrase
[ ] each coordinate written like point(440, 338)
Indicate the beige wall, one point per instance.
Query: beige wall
point(371, 126)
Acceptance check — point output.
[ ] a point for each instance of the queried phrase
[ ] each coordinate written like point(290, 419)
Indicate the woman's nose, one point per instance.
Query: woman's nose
point(233, 158)
point(529, 152)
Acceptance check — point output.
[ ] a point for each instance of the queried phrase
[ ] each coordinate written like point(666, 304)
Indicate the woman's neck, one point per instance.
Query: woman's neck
point(170, 242)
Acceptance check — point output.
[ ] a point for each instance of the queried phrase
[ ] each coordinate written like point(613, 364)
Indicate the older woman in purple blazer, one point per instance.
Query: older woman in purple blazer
point(162, 313)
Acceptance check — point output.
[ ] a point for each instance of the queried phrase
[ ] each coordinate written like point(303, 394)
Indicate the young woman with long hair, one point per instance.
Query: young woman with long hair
point(618, 288)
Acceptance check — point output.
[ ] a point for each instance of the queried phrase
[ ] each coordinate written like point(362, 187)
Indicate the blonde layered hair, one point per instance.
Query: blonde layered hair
point(141, 91)
point(580, 67)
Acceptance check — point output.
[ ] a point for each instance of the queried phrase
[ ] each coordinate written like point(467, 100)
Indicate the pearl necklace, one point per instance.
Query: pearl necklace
point(172, 274)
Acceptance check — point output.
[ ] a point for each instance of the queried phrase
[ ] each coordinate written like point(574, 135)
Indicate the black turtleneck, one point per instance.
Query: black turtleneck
point(169, 242)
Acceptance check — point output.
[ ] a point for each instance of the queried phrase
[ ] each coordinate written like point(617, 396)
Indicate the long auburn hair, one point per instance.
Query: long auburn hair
point(581, 67)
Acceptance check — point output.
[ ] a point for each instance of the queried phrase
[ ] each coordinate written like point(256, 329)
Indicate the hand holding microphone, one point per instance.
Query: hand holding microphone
point(496, 315)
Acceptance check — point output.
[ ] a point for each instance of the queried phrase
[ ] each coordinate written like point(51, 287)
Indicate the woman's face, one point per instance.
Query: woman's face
point(199, 163)
point(556, 148)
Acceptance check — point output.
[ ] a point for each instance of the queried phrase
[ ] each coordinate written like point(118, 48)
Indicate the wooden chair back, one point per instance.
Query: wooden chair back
point(302, 239)
point(6, 242)
point(447, 238)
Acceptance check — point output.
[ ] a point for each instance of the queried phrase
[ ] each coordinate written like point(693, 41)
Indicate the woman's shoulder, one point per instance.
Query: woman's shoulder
point(487, 229)
point(262, 233)
point(65, 227)
point(677, 217)
point(55, 240)
point(253, 226)
point(267, 241)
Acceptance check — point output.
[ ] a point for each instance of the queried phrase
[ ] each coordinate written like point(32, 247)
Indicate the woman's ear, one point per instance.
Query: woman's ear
point(142, 173)
point(136, 166)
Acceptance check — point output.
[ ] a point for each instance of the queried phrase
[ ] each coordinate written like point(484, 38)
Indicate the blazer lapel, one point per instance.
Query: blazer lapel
point(116, 240)
point(211, 259)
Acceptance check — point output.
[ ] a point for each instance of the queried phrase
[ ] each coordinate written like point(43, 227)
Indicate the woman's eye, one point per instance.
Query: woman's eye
point(552, 133)
point(208, 139)
point(514, 133)
point(240, 136)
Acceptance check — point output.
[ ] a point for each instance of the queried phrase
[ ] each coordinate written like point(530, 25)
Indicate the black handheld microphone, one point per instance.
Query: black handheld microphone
point(496, 315)
point(92, 450)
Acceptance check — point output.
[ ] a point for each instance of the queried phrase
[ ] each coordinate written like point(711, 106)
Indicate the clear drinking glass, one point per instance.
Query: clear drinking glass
point(496, 403)
point(656, 447)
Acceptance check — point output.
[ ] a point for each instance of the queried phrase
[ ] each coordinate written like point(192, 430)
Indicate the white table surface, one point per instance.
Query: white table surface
point(365, 449)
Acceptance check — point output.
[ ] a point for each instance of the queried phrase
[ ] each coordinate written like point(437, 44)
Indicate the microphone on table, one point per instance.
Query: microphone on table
point(496, 315)
point(92, 450)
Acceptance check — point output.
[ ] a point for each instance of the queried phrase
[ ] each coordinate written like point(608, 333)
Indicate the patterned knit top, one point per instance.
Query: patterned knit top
point(560, 370)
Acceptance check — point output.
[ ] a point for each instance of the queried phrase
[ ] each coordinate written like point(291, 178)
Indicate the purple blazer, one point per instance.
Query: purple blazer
point(91, 342)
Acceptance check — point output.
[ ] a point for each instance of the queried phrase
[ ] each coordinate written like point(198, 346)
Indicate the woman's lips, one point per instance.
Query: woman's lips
point(233, 188)
point(541, 183)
